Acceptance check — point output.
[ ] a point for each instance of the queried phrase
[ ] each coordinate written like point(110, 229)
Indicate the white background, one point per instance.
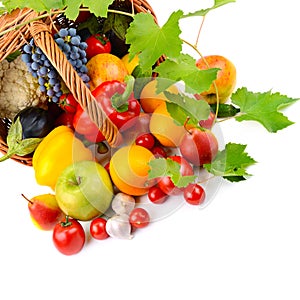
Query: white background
point(243, 245)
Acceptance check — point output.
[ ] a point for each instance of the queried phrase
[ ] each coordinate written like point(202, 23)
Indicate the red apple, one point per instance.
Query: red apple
point(226, 77)
point(44, 211)
point(199, 146)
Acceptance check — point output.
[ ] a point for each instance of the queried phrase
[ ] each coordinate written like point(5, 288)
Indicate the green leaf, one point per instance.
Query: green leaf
point(150, 41)
point(184, 68)
point(98, 8)
point(263, 108)
point(16, 145)
point(203, 12)
point(183, 108)
point(118, 24)
point(72, 8)
point(161, 167)
point(37, 5)
point(231, 163)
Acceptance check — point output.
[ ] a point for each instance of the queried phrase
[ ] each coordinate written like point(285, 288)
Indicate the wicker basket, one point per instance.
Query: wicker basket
point(40, 31)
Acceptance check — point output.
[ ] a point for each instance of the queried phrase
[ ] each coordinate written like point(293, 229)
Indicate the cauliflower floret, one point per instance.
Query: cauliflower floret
point(18, 88)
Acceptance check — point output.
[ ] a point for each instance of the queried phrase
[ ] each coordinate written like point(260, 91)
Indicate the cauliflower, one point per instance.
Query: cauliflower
point(18, 88)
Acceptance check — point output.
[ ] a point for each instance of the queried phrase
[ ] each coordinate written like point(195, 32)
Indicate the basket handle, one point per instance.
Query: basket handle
point(43, 39)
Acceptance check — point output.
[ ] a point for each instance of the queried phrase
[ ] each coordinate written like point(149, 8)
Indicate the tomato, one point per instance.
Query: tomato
point(145, 140)
point(98, 230)
point(165, 183)
point(97, 44)
point(68, 236)
point(139, 218)
point(159, 151)
point(156, 195)
point(65, 118)
point(194, 194)
point(68, 103)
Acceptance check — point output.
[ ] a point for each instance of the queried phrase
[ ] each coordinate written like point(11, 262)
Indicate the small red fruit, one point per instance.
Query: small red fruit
point(156, 195)
point(139, 218)
point(98, 229)
point(194, 194)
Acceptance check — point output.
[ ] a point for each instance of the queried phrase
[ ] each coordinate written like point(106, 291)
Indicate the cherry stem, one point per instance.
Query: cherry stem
point(27, 199)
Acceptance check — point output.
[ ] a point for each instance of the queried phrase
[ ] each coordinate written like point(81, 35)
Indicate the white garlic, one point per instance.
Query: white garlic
point(118, 226)
point(122, 204)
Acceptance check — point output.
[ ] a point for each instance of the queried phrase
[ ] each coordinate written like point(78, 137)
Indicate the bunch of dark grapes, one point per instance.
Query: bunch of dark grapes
point(40, 67)
point(70, 43)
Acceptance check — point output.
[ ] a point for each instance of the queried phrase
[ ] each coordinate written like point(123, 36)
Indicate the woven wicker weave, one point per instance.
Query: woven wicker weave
point(40, 31)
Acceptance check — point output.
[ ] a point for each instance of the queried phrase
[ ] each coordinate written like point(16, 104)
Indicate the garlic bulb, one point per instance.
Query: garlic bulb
point(118, 226)
point(122, 204)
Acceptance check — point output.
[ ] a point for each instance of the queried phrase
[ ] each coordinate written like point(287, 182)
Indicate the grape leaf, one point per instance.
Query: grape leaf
point(263, 108)
point(150, 41)
point(203, 12)
point(38, 5)
point(184, 68)
point(161, 167)
point(231, 163)
point(182, 107)
point(71, 6)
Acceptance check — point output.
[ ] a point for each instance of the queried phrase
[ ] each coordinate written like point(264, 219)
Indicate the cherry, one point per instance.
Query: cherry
point(145, 140)
point(194, 194)
point(156, 195)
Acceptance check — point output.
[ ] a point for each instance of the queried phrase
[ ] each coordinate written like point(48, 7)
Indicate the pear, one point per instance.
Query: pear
point(44, 211)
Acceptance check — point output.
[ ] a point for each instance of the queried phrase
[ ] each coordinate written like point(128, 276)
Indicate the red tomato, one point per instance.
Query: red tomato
point(165, 183)
point(139, 218)
point(194, 194)
point(97, 44)
point(156, 195)
point(145, 140)
point(68, 103)
point(65, 118)
point(68, 236)
point(97, 229)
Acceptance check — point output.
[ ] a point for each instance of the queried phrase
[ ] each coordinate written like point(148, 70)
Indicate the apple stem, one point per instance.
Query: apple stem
point(27, 199)
point(185, 125)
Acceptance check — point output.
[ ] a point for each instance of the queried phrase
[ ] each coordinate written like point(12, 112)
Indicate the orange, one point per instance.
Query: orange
point(164, 127)
point(129, 167)
point(150, 100)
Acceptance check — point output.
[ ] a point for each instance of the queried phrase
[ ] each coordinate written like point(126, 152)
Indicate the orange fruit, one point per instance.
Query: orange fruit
point(150, 100)
point(105, 67)
point(129, 169)
point(164, 127)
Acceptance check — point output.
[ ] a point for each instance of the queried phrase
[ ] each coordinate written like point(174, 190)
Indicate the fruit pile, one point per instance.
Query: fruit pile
point(165, 119)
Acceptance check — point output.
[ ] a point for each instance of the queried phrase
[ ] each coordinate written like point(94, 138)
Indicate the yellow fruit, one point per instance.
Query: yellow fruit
point(105, 67)
point(129, 169)
point(164, 128)
point(226, 78)
point(130, 64)
point(150, 100)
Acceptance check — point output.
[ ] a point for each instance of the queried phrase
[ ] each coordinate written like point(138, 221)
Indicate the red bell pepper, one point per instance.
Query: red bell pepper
point(118, 103)
point(86, 127)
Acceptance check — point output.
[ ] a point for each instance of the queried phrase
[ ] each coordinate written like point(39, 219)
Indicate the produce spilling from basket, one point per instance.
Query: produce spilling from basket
point(111, 117)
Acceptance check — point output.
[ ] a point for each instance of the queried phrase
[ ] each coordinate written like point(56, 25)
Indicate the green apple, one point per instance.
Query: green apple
point(84, 190)
point(226, 78)
point(44, 211)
